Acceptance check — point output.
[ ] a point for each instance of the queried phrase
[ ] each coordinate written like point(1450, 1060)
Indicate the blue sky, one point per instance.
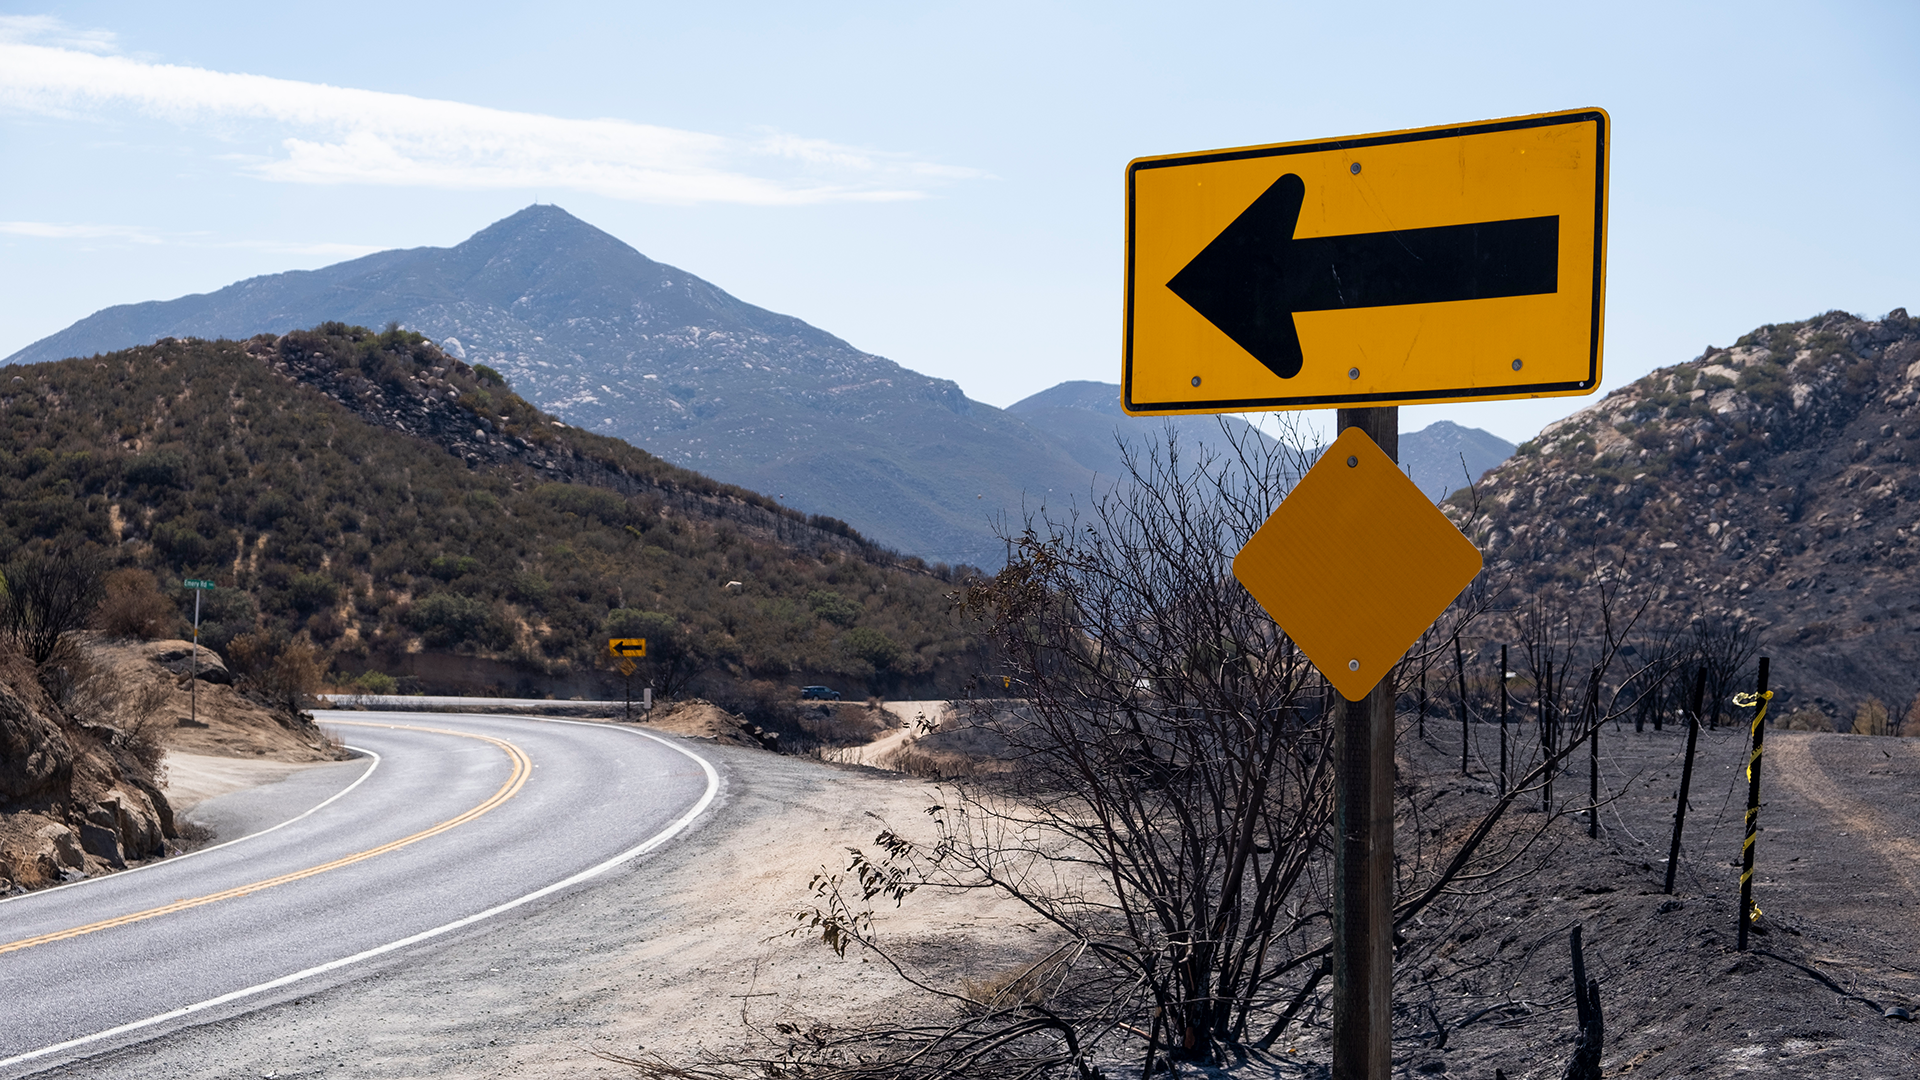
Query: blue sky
point(939, 184)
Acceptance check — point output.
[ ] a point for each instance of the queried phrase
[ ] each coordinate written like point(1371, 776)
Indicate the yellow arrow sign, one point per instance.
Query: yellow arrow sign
point(1356, 564)
point(627, 646)
point(1459, 263)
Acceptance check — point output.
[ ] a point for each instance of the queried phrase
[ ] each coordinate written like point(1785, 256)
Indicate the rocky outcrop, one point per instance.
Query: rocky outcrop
point(180, 658)
point(1776, 480)
point(35, 850)
point(77, 793)
point(36, 759)
point(213, 717)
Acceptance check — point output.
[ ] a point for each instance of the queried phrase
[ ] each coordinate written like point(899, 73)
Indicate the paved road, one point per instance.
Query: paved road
point(456, 818)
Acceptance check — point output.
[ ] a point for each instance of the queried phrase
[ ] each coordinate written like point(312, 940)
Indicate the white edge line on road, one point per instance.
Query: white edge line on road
point(224, 843)
point(654, 841)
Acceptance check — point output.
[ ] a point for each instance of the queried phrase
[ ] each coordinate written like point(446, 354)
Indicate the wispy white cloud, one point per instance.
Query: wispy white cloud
point(58, 230)
point(50, 230)
point(50, 30)
point(340, 135)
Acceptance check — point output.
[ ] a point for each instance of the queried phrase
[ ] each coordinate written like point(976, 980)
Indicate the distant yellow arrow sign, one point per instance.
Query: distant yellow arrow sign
point(627, 646)
point(1458, 263)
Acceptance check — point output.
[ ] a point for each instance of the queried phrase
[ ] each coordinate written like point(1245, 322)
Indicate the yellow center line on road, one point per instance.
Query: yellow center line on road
point(522, 768)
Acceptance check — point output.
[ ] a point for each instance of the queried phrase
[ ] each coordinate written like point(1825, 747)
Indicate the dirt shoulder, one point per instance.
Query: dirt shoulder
point(194, 778)
point(207, 715)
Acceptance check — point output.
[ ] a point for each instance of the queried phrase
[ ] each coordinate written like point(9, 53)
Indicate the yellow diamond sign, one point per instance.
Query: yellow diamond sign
point(1356, 564)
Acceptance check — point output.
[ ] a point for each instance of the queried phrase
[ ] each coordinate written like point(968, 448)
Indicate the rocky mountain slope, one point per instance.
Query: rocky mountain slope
point(85, 742)
point(1776, 480)
point(587, 328)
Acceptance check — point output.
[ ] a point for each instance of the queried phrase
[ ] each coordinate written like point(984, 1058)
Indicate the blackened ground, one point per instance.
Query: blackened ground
point(1834, 948)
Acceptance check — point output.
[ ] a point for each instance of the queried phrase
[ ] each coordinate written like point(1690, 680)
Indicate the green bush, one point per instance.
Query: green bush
point(184, 548)
point(162, 470)
point(451, 620)
point(594, 503)
point(876, 648)
point(374, 682)
point(448, 567)
point(833, 607)
point(224, 614)
point(309, 593)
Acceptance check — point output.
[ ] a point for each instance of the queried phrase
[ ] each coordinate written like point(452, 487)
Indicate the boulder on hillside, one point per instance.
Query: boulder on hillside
point(36, 758)
point(181, 658)
point(77, 792)
point(35, 851)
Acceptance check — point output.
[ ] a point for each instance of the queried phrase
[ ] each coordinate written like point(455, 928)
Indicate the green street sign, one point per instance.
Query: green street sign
point(195, 583)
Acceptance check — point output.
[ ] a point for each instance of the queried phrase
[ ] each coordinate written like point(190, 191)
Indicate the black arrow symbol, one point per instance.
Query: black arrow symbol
point(1253, 277)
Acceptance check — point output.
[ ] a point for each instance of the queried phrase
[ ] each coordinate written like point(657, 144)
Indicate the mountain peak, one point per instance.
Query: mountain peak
point(543, 223)
point(1085, 394)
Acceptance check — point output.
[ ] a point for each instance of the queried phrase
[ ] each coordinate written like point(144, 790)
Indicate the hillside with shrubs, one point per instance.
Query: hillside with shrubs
point(1769, 486)
point(411, 522)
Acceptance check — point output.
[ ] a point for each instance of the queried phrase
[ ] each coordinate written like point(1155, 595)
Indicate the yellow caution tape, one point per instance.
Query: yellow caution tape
point(1748, 701)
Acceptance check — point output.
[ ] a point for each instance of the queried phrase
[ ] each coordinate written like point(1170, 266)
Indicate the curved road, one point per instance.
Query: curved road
point(455, 819)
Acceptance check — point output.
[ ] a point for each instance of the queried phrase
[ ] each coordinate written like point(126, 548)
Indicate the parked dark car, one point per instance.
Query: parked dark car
point(819, 693)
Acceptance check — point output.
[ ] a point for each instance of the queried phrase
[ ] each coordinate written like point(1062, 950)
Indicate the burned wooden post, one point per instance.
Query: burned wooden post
point(1422, 723)
point(1587, 1045)
point(1759, 703)
point(1686, 776)
point(1713, 706)
point(1544, 695)
point(1460, 673)
point(1503, 719)
point(1593, 755)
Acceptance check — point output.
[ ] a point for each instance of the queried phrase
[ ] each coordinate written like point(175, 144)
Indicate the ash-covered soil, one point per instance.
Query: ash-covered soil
point(1486, 984)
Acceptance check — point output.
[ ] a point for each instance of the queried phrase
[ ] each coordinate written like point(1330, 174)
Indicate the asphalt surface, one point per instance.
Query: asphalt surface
point(450, 821)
